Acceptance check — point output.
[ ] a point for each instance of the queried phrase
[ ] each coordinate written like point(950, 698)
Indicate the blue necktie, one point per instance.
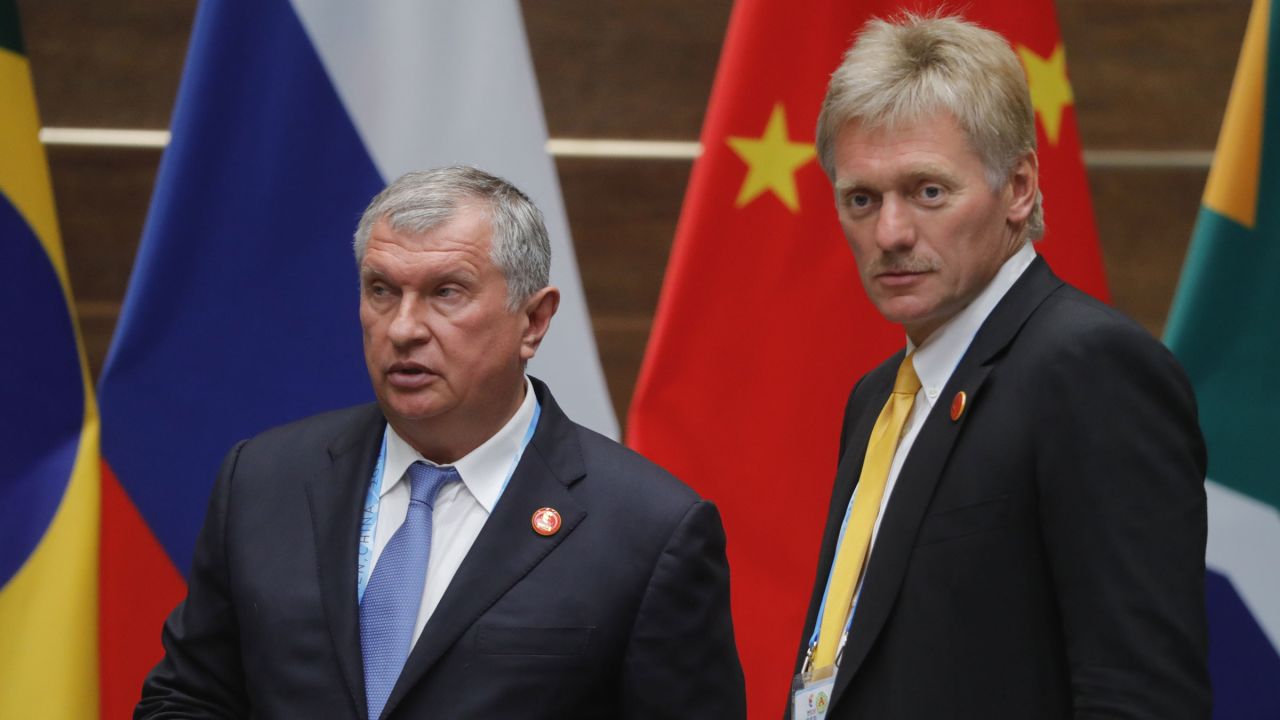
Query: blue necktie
point(389, 609)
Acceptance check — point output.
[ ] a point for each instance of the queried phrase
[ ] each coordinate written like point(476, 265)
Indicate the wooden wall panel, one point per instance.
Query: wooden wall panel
point(1145, 217)
point(106, 64)
point(1151, 74)
point(1148, 75)
point(616, 69)
point(102, 198)
point(622, 215)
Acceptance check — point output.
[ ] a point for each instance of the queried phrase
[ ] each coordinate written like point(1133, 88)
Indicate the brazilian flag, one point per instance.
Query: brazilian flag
point(49, 477)
point(1225, 328)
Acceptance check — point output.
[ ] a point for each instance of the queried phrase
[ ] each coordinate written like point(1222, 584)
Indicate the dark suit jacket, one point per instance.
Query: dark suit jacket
point(624, 613)
point(1042, 556)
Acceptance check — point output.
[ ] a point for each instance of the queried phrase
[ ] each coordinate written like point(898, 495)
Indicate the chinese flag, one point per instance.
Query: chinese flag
point(763, 328)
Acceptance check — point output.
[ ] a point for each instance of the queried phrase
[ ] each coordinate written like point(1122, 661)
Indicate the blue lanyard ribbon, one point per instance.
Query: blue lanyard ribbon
point(822, 608)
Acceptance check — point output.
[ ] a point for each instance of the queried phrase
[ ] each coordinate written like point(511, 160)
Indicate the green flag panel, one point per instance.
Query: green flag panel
point(1225, 328)
point(10, 32)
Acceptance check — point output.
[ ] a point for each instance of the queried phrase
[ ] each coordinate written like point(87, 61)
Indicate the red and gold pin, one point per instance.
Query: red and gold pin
point(546, 522)
point(958, 405)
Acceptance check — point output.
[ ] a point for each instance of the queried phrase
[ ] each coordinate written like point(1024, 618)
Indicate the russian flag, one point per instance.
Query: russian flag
point(242, 309)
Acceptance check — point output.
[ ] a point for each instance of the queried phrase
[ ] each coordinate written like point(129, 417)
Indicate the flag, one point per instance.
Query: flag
point(242, 309)
point(48, 432)
point(1223, 328)
point(762, 327)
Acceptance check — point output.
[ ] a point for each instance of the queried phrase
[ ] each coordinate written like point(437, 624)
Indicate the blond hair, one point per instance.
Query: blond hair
point(903, 70)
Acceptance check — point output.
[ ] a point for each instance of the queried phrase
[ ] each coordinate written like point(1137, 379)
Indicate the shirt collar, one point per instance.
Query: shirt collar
point(483, 470)
point(938, 357)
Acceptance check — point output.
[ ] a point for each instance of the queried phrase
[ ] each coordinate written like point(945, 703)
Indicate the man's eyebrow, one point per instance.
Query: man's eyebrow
point(370, 273)
point(846, 184)
point(931, 170)
point(925, 171)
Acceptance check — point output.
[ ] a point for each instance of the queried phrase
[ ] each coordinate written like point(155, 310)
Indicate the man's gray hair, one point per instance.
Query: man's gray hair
point(904, 70)
point(419, 201)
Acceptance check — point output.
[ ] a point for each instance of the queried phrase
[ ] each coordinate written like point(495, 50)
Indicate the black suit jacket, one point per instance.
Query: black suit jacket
point(1042, 556)
point(624, 613)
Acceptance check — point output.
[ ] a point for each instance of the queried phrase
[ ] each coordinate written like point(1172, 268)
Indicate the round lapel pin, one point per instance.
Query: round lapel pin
point(546, 521)
point(957, 405)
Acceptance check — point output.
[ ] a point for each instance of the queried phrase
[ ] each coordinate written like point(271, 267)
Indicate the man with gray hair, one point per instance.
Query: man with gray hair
point(460, 549)
point(1017, 526)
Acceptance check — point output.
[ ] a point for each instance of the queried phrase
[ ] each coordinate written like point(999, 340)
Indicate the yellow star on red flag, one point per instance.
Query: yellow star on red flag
point(772, 160)
point(1050, 90)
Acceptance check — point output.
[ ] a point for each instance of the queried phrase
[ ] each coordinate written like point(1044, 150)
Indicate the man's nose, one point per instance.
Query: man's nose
point(895, 229)
point(409, 324)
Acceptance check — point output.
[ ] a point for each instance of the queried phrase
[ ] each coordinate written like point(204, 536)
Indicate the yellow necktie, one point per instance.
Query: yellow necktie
point(851, 557)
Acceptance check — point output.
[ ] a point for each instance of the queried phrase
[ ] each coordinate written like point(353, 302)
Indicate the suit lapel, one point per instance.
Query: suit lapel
point(902, 516)
point(507, 548)
point(336, 498)
point(926, 463)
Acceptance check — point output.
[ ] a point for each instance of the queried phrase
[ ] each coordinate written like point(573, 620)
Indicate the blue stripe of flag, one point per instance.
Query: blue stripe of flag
point(242, 309)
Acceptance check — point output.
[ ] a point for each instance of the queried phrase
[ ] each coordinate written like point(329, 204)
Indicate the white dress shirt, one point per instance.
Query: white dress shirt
point(934, 362)
point(461, 508)
point(938, 357)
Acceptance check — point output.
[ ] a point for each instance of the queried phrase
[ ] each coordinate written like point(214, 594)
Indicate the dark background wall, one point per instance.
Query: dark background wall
point(1150, 78)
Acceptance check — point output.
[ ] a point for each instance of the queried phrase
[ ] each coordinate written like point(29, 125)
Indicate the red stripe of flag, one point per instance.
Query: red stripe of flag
point(138, 587)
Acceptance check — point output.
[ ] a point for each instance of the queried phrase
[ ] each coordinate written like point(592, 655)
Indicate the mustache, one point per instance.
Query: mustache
point(901, 264)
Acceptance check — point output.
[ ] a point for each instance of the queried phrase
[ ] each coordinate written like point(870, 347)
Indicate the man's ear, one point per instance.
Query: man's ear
point(538, 310)
point(1024, 184)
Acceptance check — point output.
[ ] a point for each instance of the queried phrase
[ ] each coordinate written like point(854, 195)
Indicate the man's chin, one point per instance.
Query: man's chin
point(411, 409)
point(415, 415)
point(901, 310)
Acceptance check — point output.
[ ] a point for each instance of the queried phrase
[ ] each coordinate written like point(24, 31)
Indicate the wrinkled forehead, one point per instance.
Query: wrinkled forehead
point(938, 130)
point(927, 120)
point(938, 127)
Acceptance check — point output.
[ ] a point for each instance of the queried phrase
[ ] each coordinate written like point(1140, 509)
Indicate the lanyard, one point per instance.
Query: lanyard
point(369, 519)
point(822, 607)
point(373, 500)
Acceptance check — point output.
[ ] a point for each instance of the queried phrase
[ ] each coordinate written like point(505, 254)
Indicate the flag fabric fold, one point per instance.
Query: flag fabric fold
point(1222, 327)
point(242, 309)
point(49, 482)
point(762, 327)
